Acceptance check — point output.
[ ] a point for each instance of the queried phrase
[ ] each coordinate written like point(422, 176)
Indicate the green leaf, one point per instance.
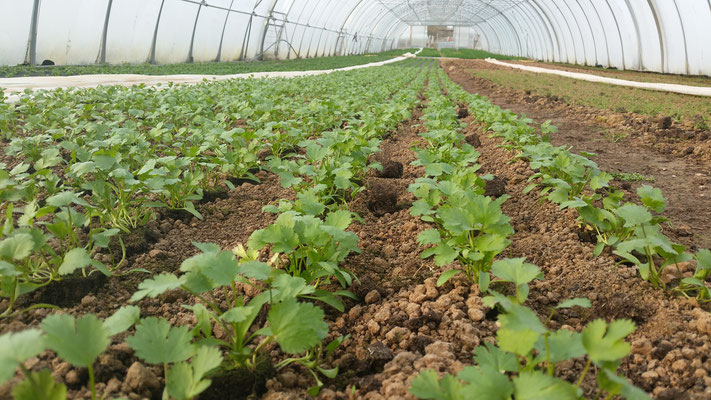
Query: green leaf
point(515, 270)
point(17, 247)
point(429, 236)
point(427, 386)
point(519, 318)
point(237, 314)
point(340, 219)
point(519, 342)
point(122, 319)
point(16, 348)
point(444, 254)
point(485, 383)
point(703, 264)
point(73, 260)
point(220, 267)
point(7, 269)
point(190, 207)
point(297, 326)
point(103, 238)
point(563, 345)
point(40, 386)
point(490, 356)
point(64, 199)
point(446, 276)
point(156, 286)
point(652, 198)
point(633, 215)
point(185, 381)
point(539, 386)
point(255, 269)
point(204, 322)
point(156, 342)
point(616, 384)
point(79, 342)
point(576, 302)
point(606, 343)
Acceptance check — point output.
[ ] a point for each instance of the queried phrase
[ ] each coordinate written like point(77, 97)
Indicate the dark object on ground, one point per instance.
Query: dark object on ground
point(391, 169)
point(382, 200)
point(473, 140)
point(665, 123)
point(495, 187)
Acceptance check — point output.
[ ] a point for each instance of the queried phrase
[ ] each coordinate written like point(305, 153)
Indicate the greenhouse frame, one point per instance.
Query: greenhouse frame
point(655, 35)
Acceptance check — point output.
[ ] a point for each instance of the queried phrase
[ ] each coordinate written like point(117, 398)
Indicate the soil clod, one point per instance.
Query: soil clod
point(473, 140)
point(495, 187)
point(382, 200)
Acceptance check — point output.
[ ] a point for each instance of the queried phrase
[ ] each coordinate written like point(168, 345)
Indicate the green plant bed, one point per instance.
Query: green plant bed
point(208, 68)
point(428, 52)
point(475, 54)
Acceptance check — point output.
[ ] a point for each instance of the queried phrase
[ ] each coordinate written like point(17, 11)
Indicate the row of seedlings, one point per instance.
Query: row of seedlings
point(471, 229)
point(634, 231)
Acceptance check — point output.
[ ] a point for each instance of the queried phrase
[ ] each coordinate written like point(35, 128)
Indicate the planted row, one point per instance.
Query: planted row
point(284, 268)
point(76, 185)
point(633, 230)
point(471, 229)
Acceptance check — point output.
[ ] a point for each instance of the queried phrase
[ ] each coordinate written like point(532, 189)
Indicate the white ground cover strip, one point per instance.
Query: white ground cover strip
point(14, 85)
point(664, 87)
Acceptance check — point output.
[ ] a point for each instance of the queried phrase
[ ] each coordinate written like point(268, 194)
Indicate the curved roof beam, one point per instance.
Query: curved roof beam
point(473, 15)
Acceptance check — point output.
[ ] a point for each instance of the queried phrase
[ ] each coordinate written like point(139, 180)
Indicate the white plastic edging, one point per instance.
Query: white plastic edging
point(13, 85)
point(664, 87)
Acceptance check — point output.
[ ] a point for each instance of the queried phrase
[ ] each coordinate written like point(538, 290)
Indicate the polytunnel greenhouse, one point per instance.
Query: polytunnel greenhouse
point(355, 199)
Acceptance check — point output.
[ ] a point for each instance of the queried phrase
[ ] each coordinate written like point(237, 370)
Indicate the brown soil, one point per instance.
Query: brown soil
point(647, 150)
point(406, 324)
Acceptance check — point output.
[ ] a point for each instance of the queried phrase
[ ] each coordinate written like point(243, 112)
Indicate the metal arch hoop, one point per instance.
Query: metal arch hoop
point(343, 25)
point(152, 54)
point(301, 42)
point(265, 27)
point(640, 65)
point(539, 28)
point(580, 31)
point(555, 27)
point(604, 31)
point(192, 37)
point(101, 58)
point(494, 30)
point(513, 27)
point(619, 31)
point(683, 34)
point(592, 34)
point(570, 31)
point(222, 36)
point(660, 33)
point(548, 27)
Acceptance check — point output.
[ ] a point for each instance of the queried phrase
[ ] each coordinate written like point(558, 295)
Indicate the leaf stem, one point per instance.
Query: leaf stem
point(92, 384)
point(585, 371)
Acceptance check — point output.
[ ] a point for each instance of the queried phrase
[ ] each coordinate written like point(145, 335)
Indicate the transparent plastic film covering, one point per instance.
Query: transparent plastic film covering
point(656, 35)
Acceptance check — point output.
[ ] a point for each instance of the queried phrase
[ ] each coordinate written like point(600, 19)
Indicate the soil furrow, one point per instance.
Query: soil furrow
point(685, 181)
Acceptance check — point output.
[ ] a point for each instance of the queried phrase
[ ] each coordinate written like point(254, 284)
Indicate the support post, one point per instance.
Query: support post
point(152, 54)
point(192, 37)
point(101, 59)
point(31, 55)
